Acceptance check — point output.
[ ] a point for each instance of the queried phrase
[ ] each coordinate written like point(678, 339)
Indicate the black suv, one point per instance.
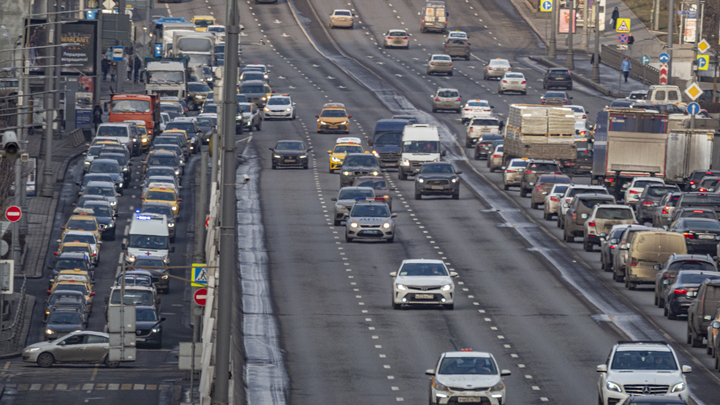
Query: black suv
point(673, 265)
point(358, 164)
point(557, 77)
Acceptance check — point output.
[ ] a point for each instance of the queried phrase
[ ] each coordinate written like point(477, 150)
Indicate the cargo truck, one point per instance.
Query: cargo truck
point(198, 47)
point(168, 30)
point(143, 107)
point(166, 77)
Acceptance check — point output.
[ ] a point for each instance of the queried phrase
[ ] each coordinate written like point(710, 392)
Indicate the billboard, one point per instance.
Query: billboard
point(82, 32)
point(564, 21)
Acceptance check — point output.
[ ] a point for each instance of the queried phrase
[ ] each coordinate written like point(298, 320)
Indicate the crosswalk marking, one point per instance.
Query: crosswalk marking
point(100, 386)
point(126, 387)
point(151, 387)
point(113, 387)
point(88, 387)
point(61, 387)
point(48, 387)
point(138, 387)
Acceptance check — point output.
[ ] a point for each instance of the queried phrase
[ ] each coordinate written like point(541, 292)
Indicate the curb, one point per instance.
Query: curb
point(579, 78)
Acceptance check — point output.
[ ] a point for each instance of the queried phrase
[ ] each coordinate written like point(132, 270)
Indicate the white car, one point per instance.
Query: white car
point(423, 282)
point(280, 107)
point(512, 173)
point(551, 205)
point(579, 111)
point(467, 377)
point(644, 368)
point(457, 35)
point(476, 108)
point(636, 187)
point(512, 81)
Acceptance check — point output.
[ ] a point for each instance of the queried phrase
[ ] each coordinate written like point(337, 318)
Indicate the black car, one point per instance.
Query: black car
point(692, 182)
point(158, 270)
point(356, 165)
point(437, 178)
point(124, 163)
point(209, 108)
point(557, 77)
point(290, 154)
point(93, 177)
point(651, 195)
point(63, 320)
point(105, 217)
point(681, 290)
point(675, 264)
point(208, 125)
point(486, 145)
point(194, 133)
point(701, 234)
point(693, 212)
point(72, 261)
point(411, 119)
point(111, 167)
point(148, 327)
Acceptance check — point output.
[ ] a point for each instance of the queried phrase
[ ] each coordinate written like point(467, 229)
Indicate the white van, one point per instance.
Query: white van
point(149, 236)
point(663, 93)
point(420, 144)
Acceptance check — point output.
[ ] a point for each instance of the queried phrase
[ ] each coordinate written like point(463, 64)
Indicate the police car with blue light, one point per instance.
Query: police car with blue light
point(370, 219)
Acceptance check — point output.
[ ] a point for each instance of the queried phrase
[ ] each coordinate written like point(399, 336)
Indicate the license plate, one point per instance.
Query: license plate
point(424, 296)
point(437, 187)
point(466, 400)
point(372, 232)
point(707, 236)
point(139, 339)
point(289, 160)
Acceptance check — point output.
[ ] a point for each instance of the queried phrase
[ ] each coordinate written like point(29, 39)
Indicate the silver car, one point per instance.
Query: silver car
point(370, 220)
point(346, 199)
point(341, 18)
point(512, 81)
point(496, 68)
point(447, 99)
point(396, 39)
point(512, 174)
point(77, 347)
point(102, 188)
point(551, 205)
point(494, 160)
point(440, 64)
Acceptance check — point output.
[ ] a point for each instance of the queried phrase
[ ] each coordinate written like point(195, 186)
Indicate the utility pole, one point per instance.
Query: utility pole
point(586, 26)
point(201, 211)
point(671, 22)
point(698, 27)
point(552, 51)
point(48, 174)
point(228, 220)
point(570, 60)
point(16, 252)
point(122, 8)
point(596, 59)
point(656, 15)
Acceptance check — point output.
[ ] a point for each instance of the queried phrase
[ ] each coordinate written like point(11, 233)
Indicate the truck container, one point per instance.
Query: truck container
point(168, 30)
point(198, 47)
point(540, 132)
point(688, 150)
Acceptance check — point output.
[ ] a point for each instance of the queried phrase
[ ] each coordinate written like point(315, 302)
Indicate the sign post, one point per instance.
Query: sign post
point(664, 59)
point(623, 25)
point(645, 60)
point(693, 108)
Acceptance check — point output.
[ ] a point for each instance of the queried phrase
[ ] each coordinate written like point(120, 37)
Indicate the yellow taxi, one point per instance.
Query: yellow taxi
point(165, 195)
point(202, 22)
point(81, 220)
point(176, 132)
point(333, 118)
point(102, 141)
point(76, 275)
point(78, 247)
point(342, 147)
point(84, 287)
point(144, 136)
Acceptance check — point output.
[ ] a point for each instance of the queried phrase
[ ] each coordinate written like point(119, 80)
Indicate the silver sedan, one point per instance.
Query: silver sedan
point(396, 39)
point(512, 81)
point(496, 68)
point(440, 64)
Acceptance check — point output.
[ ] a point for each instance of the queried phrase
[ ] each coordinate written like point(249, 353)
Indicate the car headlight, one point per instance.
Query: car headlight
point(436, 160)
point(144, 139)
point(440, 387)
point(156, 329)
point(171, 224)
point(447, 287)
point(120, 184)
point(375, 173)
point(174, 208)
point(400, 287)
point(386, 225)
point(611, 386)
point(130, 258)
point(353, 225)
point(239, 117)
point(419, 180)
point(134, 139)
point(113, 203)
point(302, 156)
point(531, 183)
point(335, 160)
point(376, 153)
point(288, 109)
point(323, 122)
point(343, 123)
point(177, 172)
point(264, 98)
point(266, 109)
point(199, 96)
point(678, 387)
point(87, 163)
point(125, 169)
point(500, 385)
point(32, 349)
point(454, 180)
point(346, 173)
point(406, 162)
point(49, 332)
point(277, 156)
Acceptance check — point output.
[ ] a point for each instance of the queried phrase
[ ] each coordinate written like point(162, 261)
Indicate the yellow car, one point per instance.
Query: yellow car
point(144, 136)
point(81, 220)
point(76, 275)
point(165, 195)
point(342, 147)
point(202, 22)
point(73, 285)
point(78, 247)
point(333, 118)
point(101, 141)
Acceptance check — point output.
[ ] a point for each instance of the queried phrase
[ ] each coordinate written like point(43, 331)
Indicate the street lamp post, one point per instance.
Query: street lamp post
point(596, 59)
point(552, 50)
point(570, 60)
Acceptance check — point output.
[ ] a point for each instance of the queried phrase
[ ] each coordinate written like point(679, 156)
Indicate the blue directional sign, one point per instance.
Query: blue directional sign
point(703, 62)
point(693, 108)
point(546, 6)
point(645, 60)
point(664, 57)
point(622, 38)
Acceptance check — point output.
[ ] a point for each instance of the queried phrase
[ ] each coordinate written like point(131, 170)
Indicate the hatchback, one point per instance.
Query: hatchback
point(396, 39)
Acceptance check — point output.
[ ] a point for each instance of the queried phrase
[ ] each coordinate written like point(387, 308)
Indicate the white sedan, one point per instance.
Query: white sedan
point(476, 108)
point(512, 81)
point(467, 377)
point(423, 282)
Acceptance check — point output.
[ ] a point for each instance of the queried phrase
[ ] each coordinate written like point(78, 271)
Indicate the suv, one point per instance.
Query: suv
point(603, 218)
point(533, 170)
point(570, 193)
point(447, 99)
point(701, 310)
point(636, 186)
point(649, 197)
point(579, 211)
point(691, 183)
point(437, 178)
point(513, 172)
point(641, 367)
point(475, 374)
point(557, 77)
point(485, 145)
point(358, 164)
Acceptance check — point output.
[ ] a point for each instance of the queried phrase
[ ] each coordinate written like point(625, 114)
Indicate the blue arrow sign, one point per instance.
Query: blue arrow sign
point(701, 63)
point(546, 5)
point(664, 57)
point(693, 108)
point(645, 60)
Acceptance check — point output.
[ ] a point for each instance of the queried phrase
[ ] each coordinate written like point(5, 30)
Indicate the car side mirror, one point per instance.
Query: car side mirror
point(393, 274)
point(505, 373)
point(393, 215)
point(430, 371)
point(601, 368)
point(626, 185)
point(458, 172)
point(544, 193)
point(309, 149)
point(333, 199)
point(625, 246)
point(686, 369)
point(665, 227)
point(443, 153)
point(602, 239)
point(84, 153)
point(656, 267)
point(454, 274)
point(182, 164)
point(329, 152)
point(61, 343)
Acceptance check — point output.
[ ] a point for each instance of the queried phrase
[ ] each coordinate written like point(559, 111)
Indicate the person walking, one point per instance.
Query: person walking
point(631, 40)
point(105, 66)
point(113, 71)
point(625, 68)
point(615, 16)
point(592, 59)
point(137, 65)
point(109, 53)
point(97, 116)
point(129, 67)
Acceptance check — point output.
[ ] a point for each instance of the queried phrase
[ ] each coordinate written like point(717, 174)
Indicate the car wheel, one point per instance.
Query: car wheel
point(533, 205)
point(587, 246)
point(523, 192)
point(396, 306)
point(456, 196)
point(449, 306)
point(418, 196)
point(661, 302)
point(524, 93)
point(717, 363)
point(391, 240)
point(695, 340)
point(401, 175)
point(709, 349)
point(337, 223)
point(274, 167)
point(111, 364)
point(305, 167)
point(450, 74)
point(191, 105)
point(505, 186)
point(348, 239)
point(544, 86)
point(628, 284)
point(467, 57)
point(45, 360)
point(569, 88)
point(655, 300)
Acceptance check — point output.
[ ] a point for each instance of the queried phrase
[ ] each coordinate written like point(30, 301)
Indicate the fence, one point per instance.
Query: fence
point(8, 344)
point(614, 59)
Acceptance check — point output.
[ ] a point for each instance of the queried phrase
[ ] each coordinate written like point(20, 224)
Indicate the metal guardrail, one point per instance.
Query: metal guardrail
point(614, 58)
point(16, 325)
point(76, 137)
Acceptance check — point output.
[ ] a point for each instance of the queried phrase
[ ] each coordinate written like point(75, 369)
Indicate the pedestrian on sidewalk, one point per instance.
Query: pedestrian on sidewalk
point(615, 16)
point(105, 66)
point(113, 71)
point(129, 67)
point(109, 53)
point(631, 40)
point(97, 115)
point(137, 65)
point(625, 68)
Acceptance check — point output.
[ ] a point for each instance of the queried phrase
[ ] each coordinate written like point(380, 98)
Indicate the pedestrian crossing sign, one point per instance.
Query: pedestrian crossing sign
point(199, 275)
point(623, 25)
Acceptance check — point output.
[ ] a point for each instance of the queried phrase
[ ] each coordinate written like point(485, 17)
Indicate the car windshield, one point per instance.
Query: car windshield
point(131, 106)
point(133, 297)
point(577, 109)
point(163, 161)
point(579, 190)
point(613, 213)
point(370, 210)
point(241, 98)
point(694, 278)
point(485, 122)
point(441, 58)
point(499, 63)
point(543, 167)
point(442, 168)
point(64, 318)
point(252, 76)
point(94, 150)
point(691, 265)
point(69, 264)
point(374, 184)
point(343, 13)
point(114, 131)
point(707, 200)
point(560, 189)
point(423, 269)
point(98, 190)
point(101, 210)
point(555, 94)
point(478, 104)
point(348, 149)
point(592, 202)
point(77, 224)
point(159, 171)
point(467, 366)
point(145, 315)
point(709, 182)
point(421, 146)
point(82, 238)
point(351, 194)
point(621, 103)
point(246, 108)
point(333, 113)
point(289, 146)
point(360, 160)
point(148, 241)
point(702, 225)
point(104, 168)
point(204, 23)
point(216, 29)
point(160, 195)
point(165, 140)
point(448, 94)
point(210, 108)
point(185, 126)
point(397, 34)
point(198, 87)
point(95, 177)
point(206, 122)
point(643, 360)
point(514, 75)
point(659, 191)
point(279, 101)
point(643, 183)
point(252, 88)
point(147, 262)
point(73, 287)
point(157, 77)
point(157, 209)
point(388, 138)
point(518, 163)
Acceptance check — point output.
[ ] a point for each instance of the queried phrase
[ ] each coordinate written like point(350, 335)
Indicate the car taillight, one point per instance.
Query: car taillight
point(472, 130)
point(557, 173)
point(680, 291)
point(389, 37)
point(523, 82)
point(554, 199)
point(504, 81)
point(423, 21)
point(692, 182)
point(666, 275)
point(648, 203)
point(496, 156)
point(688, 235)
point(591, 223)
point(665, 210)
point(612, 246)
point(634, 261)
point(459, 99)
point(542, 101)
point(432, 63)
point(634, 192)
point(584, 116)
point(406, 38)
point(450, 63)
point(94, 254)
point(509, 69)
point(539, 188)
point(574, 216)
point(489, 68)
point(437, 99)
point(528, 172)
point(564, 101)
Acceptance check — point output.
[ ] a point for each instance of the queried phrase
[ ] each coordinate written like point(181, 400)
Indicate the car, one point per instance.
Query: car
point(256, 91)
point(690, 183)
point(457, 47)
point(162, 171)
point(370, 219)
point(396, 38)
point(72, 261)
point(693, 212)
point(557, 77)
point(111, 168)
point(72, 246)
point(158, 270)
point(63, 320)
point(280, 106)
point(578, 212)
point(512, 173)
point(208, 125)
point(148, 326)
point(91, 154)
point(439, 63)
point(570, 193)
point(163, 158)
point(174, 138)
point(620, 103)
point(66, 299)
point(651, 400)
point(209, 108)
point(635, 187)
point(197, 92)
point(495, 159)
point(485, 141)
point(412, 120)
point(446, 99)
point(133, 278)
point(609, 244)
point(124, 162)
point(81, 220)
point(252, 117)
point(73, 285)
point(580, 114)
point(423, 282)
point(699, 200)
point(377, 183)
point(662, 215)
point(551, 204)
point(701, 310)
point(556, 98)
point(246, 75)
point(512, 81)
point(477, 127)
point(102, 188)
point(457, 35)
point(534, 169)
point(192, 131)
point(163, 208)
point(157, 193)
point(342, 147)
point(679, 280)
point(709, 183)
point(637, 95)
point(543, 184)
point(651, 195)
point(476, 108)
point(437, 178)
point(342, 19)
point(601, 221)
point(77, 347)
point(669, 270)
point(620, 257)
point(92, 177)
point(358, 164)
point(701, 234)
point(646, 253)
point(134, 295)
point(81, 237)
point(496, 68)
point(346, 199)
point(290, 154)
point(467, 376)
point(333, 118)
point(632, 365)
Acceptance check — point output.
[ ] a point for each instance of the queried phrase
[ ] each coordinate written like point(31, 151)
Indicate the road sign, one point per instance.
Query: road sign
point(645, 60)
point(693, 108)
point(546, 6)
point(158, 50)
point(694, 91)
point(663, 73)
point(117, 53)
point(7, 275)
point(13, 213)
point(703, 46)
point(109, 4)
point(200, 296)
point(664, 58)
point(199, 275)
point(682, 12)
point(703, 62)
point(623, 38)
point(623, 25)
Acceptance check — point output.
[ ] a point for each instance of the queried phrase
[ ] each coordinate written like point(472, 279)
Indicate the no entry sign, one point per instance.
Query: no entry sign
point(13, 213)
point(200, 296)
